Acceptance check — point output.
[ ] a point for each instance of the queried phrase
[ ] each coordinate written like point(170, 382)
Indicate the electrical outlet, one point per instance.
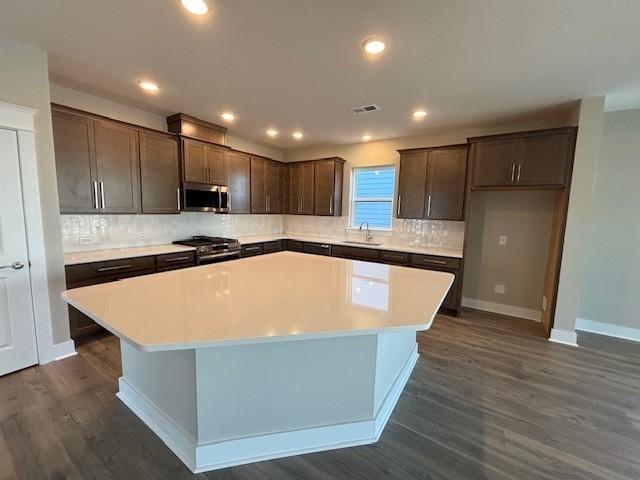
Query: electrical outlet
point(499, 288)
point(502, 240)
point(544, 303)
point(85, 240)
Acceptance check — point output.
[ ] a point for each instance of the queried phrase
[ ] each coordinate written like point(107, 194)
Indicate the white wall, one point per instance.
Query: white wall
point(611, 284)
point(24, 80)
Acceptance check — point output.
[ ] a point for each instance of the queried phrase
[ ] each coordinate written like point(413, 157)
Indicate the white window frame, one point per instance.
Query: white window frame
point(352, 199)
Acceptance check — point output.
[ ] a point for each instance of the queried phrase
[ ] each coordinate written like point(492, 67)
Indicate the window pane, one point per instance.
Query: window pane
point(374, 184)
point(378, 214)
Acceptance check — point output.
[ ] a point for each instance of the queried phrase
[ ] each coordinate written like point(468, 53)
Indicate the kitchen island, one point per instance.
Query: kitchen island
point(268, 356)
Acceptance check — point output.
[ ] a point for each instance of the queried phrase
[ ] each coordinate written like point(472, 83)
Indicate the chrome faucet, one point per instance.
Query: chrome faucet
point(367, 233)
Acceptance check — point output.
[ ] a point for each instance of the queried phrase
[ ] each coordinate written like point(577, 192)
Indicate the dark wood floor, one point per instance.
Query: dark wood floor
point(488, 399)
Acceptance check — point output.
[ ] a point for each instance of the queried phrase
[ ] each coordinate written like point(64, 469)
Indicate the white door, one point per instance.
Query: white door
point(17, 330)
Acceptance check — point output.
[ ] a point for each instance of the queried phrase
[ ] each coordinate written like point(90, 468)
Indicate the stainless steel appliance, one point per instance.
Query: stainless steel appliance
point(212, 249)
point(204, 198)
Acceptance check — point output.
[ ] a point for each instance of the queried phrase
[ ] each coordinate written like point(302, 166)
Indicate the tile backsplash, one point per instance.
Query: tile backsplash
point(418, 233)
point(96, 232)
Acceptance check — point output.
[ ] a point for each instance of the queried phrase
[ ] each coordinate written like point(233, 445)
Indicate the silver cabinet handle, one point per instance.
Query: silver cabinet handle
point(398, 207)
point(324, 245)
point(177, 259)
point(115, 267)
point(102, 194)
point(219, 198)
point(519, 171)
point(513, 172)
point(178, 197)
point(95, 194)
point(331, 205)
point(436, 262)
point(14, 265)
point(429, 205)
point(252, 249)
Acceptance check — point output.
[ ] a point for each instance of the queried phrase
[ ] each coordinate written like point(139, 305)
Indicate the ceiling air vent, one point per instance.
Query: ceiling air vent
point(365, 109)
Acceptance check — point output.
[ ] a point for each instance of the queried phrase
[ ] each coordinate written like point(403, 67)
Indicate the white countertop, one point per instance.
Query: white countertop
point(75, 258)
point(378, 243)
point(284, 295)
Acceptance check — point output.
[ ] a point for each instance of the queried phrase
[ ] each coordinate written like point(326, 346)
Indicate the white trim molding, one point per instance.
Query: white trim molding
point(63, 350)
point(564, 337)
point(17, 117)
point(608, 329)
point(502, 309)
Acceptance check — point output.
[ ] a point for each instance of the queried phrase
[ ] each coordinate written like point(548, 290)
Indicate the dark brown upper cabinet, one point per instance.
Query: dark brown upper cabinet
point(301, 188)
point(75, 162)
point(431, 183)
point(159, 173)
point(412, 184)
point(328, 187)
point(265, 186)
point(239, 174)
point(204, 163)
point(188, 126)
point(536, 159)
point(446, 176)
point(118, 164)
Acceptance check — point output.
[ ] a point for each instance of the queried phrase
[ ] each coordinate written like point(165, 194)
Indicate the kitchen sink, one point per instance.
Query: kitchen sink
point(363, 243)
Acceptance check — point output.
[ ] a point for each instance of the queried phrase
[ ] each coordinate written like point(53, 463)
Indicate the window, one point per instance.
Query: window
point(372, 196)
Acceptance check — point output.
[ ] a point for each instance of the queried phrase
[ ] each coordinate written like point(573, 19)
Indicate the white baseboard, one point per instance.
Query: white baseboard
point(563, 336)
point(229, 453)
point(63, 350)
point(502, 309)
point(608, 329)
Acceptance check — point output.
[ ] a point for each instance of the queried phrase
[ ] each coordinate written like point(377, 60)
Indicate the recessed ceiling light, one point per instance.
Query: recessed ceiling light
point(272, 132)
point(419, 114)
point(366, 138)
point(373, 46)
point(228, 116)
point(148, 86)
point(297, 135)
point(197, 7)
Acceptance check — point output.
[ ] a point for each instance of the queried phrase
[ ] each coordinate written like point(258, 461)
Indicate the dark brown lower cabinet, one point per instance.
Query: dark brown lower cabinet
point(294, 245)
point(317, 248)
point(86, 274)
point(270, 247)
point(355, 253)
point(443, 264)
point(251, 250)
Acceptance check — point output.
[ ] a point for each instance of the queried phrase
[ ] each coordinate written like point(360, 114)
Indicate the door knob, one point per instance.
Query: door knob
point(14, 265)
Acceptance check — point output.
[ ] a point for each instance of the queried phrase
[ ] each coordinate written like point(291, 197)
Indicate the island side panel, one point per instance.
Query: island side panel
point(166, 381)
point(261, 389)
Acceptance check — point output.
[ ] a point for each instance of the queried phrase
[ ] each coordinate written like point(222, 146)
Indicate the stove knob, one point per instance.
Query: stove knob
point(202, 249)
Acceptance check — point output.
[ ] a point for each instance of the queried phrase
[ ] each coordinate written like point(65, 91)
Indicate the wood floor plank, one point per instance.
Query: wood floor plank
point(489, 398)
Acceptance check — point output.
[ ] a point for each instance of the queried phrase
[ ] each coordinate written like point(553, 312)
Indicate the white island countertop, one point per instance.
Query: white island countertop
point(285, 295)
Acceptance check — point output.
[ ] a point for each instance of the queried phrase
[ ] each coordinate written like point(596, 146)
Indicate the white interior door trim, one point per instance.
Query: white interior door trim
point(22, 119)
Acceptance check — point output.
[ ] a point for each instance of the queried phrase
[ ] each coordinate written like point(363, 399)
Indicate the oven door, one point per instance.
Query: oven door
point(219, 257)
point(204, 198)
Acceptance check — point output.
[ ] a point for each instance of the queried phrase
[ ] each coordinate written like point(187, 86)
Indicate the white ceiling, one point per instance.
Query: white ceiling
point(298, 64)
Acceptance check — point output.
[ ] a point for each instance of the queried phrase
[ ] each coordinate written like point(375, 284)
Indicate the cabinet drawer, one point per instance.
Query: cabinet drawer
point(354, 252)
point(174, 261)
point(100, 272)
point(270, 247)
point(251, 250)
point(398, 258)
point(435, 261)
point(294, 245)
point(317, 248)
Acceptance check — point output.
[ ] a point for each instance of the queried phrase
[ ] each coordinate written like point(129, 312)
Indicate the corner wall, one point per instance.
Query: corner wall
point(24, 80)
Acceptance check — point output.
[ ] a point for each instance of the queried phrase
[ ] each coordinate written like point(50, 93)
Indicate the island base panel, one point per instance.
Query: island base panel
point(217, 407)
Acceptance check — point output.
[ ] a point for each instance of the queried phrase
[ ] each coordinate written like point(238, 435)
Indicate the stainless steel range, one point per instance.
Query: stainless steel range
point(212, 249)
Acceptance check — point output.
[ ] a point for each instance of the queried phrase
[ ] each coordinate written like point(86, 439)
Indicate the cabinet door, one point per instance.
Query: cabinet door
point(216, 164)
point(544, 160)
point(258, 187)
point(308, 185)
point(272, 187)
point(412, 185)
point(118, 167)
point(494, 163)
point(75, 162)
point(446, 173)
point(295, 189)
point(285, 191)
point(159, 173)
point(194, 162)
point(324, 187)
point(239, 171)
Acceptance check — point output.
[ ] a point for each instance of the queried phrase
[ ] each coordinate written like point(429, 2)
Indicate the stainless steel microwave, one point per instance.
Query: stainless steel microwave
point(204, 198)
